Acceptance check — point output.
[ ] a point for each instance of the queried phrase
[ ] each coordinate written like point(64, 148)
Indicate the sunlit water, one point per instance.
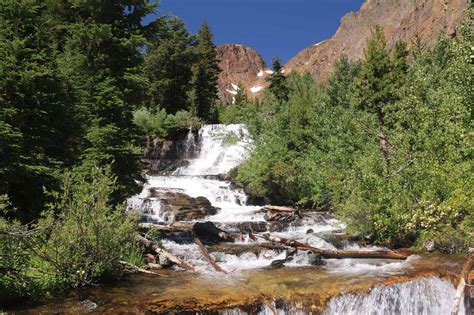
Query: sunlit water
point(220, 148)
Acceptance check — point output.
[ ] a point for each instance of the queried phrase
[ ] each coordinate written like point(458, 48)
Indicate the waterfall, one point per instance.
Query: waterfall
point(426, 296)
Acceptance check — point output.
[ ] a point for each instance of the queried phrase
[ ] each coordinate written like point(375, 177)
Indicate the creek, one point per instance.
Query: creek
point(421, 284)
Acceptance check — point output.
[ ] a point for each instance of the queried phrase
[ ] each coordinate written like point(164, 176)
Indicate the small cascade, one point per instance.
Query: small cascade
point(426, 296)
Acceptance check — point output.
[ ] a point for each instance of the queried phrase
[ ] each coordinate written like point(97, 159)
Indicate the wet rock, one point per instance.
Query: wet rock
point(208, 233)
point(182, 207)
point(88, 305)
point(239, 249)
point(310, 231)
point(315, 259)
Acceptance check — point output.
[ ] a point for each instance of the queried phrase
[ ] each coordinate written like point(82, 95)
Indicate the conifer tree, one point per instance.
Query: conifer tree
point(36, 126)
point(103, 62)
point(205, 72)
point(169, 58)
point(374, 89)
point(278, 85)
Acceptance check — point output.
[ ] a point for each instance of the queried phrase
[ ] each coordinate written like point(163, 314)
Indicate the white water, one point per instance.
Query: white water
point(428, 296)
point(221, 148)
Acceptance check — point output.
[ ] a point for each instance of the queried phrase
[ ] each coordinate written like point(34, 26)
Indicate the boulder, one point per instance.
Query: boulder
point(181, 207)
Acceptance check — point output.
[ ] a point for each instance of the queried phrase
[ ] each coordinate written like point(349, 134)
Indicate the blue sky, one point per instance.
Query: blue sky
point(273, 27)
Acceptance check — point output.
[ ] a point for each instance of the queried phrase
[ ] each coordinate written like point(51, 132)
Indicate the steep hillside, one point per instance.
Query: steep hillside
point(240, 65)
point(404, 20)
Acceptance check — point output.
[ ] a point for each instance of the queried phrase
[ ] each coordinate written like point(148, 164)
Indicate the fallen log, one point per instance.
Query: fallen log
point(138, 269)
point(208, 257)
point(174, 227)
point(466, 269)
point(153, 247)
point(251, 234)
point(338, 254)
point(208, 233)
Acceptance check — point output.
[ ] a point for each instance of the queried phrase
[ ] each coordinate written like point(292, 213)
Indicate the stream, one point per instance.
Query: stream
point(422, 284)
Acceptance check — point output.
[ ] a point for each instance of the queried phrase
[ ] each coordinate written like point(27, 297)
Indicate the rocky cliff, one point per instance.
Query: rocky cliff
point(240, 65)
point(404, 20)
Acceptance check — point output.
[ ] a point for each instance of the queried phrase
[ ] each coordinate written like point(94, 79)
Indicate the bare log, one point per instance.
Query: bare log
point(138, 269)
point(206, 255)
point(174, 227)
point(462, 282)
point(338, 254)
point(251, 234)
point(152, 246)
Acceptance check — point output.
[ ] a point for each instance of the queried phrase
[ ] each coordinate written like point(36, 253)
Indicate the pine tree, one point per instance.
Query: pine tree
point(169, 58)
point(374, 88)
point(278, 86)
point(103, 62)
point(205, 72)
point(36, 126)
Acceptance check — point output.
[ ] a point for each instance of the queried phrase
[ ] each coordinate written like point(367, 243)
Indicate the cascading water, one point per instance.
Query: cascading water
point(218, 149)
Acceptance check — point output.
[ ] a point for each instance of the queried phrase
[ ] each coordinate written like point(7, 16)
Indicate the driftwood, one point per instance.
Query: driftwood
point(174, 227)
point(338, 254)
point(462, 282)
point(138, 269)
point(206, 255)
point(153, 247)
point(251, 234)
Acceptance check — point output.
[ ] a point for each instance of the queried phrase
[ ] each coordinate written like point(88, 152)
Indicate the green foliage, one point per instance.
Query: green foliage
point(80, 240)
point(278, 87)
point(386, 143)
point(159, 124)
point(88, 237)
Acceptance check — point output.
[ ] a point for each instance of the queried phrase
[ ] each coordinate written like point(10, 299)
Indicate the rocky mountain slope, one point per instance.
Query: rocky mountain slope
point(240, 65)
point(404, 20)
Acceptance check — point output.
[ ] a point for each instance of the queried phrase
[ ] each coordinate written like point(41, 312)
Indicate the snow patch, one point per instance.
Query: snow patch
point(256, 89)
point(317, 44)
point(269, 71)
point(232, 92)
point(236, 87)
point(260, 74)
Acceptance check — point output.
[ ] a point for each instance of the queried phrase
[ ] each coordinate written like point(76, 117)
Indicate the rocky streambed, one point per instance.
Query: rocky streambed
point(255, 274)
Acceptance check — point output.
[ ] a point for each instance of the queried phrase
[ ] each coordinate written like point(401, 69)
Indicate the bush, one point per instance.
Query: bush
point(80, 240)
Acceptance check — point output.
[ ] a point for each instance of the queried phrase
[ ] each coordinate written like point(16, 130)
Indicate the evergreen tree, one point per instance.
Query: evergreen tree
point(36, 126)
point(278, 86)
point(374, 89)
point(205, 72)
point(241, 96)
point(102, 60)
point(169, 58)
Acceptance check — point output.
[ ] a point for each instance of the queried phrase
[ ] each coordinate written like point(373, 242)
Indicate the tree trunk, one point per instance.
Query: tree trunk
point(338, 254)
point(383, 140)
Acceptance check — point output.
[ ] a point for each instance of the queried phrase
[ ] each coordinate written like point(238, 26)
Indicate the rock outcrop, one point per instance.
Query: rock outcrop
point(404, 20)
point(240, 65)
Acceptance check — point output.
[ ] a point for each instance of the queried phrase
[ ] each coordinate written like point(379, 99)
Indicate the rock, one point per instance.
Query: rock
point(240, 65)
point(279, 214)
point(315, 259)
point(400, 20)
point(182, 207)
point(310, 231)
point(149, 259)
point(208, 233)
